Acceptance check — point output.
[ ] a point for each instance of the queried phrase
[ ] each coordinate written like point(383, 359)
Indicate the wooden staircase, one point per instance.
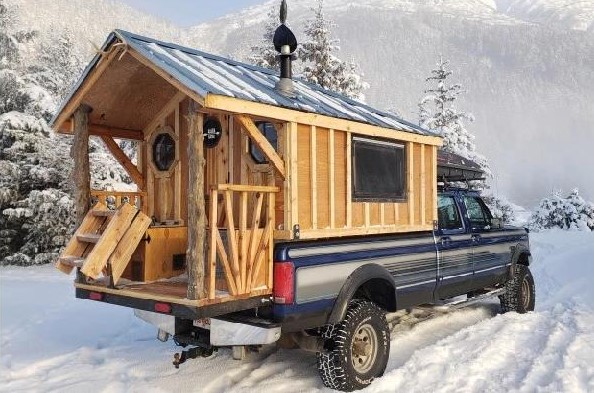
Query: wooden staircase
point(105, 239)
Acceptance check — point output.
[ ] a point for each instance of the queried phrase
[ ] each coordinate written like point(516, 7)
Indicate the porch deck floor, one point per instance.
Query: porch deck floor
point(178, 289)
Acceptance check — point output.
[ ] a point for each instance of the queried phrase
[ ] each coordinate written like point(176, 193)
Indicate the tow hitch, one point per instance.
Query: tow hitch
point(191, 353)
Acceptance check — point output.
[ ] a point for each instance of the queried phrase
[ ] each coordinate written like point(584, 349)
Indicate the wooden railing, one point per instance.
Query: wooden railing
point(114, 199)
point(244, 252)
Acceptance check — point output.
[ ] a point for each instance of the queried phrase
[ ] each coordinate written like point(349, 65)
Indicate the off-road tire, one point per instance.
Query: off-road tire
point(364, 324)
point(519, 291)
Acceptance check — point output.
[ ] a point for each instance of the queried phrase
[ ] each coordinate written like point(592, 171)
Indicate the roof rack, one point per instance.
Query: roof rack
point(455, 168)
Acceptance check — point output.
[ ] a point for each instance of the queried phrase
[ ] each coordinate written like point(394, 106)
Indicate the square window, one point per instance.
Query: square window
point(378, 170)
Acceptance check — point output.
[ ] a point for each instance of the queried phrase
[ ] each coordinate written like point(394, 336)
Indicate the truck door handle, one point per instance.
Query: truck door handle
point(476, 238)
point(445, 241)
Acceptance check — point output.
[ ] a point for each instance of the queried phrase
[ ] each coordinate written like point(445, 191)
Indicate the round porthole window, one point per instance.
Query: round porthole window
point(163, 152)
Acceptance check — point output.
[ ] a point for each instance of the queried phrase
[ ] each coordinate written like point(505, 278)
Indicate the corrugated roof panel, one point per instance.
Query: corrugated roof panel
point(204, 73)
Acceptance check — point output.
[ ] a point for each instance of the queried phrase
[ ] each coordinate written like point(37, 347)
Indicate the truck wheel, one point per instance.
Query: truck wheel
point(519, 291)
point(356, 349)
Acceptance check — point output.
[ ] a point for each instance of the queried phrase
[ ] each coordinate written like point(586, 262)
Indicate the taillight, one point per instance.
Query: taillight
point(96, 296)
point(163, 307)
point(283, 289)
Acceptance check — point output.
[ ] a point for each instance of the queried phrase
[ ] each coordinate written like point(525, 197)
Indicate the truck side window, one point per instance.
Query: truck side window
point(478, 214)
point(447, 213)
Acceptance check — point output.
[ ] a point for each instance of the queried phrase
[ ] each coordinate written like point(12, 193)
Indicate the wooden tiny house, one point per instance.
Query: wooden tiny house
point(226, 157)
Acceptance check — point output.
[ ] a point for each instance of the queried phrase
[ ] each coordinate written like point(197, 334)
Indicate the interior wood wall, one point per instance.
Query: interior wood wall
point(167, 194)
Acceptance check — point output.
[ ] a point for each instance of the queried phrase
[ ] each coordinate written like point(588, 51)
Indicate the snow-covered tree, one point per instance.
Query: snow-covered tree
point(571, 212)
point(13, 94)
point(438, 112)
point(263, 53)
point(35, 167)
point(34, 197)
point(321, 66)
point(55, 68)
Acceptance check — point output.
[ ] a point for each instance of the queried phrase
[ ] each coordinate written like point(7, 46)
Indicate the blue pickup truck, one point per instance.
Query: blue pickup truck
point(331, 297)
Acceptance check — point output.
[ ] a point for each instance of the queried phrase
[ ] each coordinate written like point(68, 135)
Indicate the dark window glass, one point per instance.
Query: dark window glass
point(447, 213)
point(378, 170)
point(478, 214)
point(269, 131)
point(163, 152)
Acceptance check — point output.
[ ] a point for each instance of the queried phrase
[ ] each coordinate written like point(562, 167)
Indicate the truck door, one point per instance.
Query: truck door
point(490, 250)
point(454, 249)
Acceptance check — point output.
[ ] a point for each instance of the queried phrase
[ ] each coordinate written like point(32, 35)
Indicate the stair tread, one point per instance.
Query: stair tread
point(72, 261)
point(88, 237)
point(103, 213)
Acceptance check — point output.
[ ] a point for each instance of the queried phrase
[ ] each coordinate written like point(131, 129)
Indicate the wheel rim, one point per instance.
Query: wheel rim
point(364, 348)
point(525, 293)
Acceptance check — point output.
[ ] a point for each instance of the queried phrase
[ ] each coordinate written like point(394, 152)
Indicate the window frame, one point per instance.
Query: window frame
point(154, 135)
point(484, 209)
point(252, 145)
point(358, 196)
point(462, 226)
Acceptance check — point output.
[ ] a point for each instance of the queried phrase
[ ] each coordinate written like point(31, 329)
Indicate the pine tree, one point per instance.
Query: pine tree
point(13, 95)
point(322, 67)
point(263, 53)
point(437, 111)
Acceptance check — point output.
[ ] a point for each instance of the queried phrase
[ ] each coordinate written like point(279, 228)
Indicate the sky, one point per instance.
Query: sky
point(190, 12)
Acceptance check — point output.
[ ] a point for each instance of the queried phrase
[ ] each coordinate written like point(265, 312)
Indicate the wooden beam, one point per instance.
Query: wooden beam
point(331, 177)
point(313, 179)
point(101, 130)
point(245, 188)
point(410, 183)
point(259, 139)
point(423, 185)
point(196, 210)
point(126, 163)
point(433, 181)
point(292, 183)
point(349, 182)
point(81, 170)
point(212, 245)
point(231, 104)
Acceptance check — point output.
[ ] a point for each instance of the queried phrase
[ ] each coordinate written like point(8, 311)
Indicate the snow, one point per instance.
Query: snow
point(51, 341)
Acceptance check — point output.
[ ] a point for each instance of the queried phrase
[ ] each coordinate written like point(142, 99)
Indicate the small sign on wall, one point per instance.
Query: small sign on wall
point(212, 132)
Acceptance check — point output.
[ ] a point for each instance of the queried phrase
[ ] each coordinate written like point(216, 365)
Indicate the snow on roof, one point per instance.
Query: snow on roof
point(205, 74)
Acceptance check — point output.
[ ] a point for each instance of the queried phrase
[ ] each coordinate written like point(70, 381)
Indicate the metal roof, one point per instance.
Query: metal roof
point(205, 74)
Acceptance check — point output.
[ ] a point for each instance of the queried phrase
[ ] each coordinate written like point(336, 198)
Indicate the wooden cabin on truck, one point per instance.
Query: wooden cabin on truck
point(231, 159)
point(271, 210)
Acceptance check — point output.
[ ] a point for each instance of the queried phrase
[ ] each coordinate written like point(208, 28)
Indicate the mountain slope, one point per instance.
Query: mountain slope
point(529, 85)
point(526, 65)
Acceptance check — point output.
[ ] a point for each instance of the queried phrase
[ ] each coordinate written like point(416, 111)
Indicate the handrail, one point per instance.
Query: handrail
point(116, 198)
point(245, 253)
point(244, 188)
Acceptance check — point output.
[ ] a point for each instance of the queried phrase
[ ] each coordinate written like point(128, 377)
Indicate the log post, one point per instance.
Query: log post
point(196, 206)
point(81, 174)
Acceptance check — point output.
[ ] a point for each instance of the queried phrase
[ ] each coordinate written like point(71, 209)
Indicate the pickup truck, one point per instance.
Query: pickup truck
point(332, 297)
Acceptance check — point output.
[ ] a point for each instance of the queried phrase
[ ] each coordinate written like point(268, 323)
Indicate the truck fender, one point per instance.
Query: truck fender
point(362, 275)
point(520, 254)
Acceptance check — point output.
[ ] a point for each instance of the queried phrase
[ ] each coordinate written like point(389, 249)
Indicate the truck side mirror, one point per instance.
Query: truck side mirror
point(496, 223)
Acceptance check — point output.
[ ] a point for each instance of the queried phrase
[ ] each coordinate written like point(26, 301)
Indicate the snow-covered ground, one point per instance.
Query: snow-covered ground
point(52, 342)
